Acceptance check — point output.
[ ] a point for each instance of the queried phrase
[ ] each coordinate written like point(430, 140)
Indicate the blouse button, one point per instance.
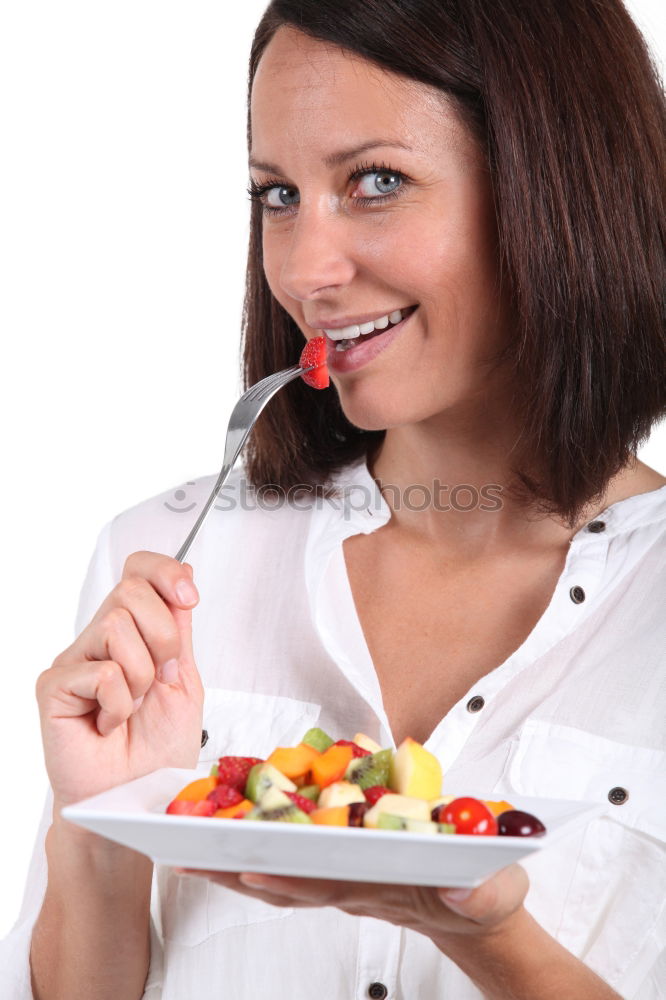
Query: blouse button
point(377, 991)
point(204, 737)
point(596, 526)
point(475, 704)
point(577, 595)
point(618, 796)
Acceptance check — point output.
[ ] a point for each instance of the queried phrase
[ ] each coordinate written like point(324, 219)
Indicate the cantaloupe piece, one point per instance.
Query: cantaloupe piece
point(331, 765)
point(198, 789)
point(230, 811)
point(498, 807)
point(293, 762)
point(333, 816)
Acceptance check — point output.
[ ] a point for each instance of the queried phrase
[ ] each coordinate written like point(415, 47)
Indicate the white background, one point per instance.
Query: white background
point(123, 233)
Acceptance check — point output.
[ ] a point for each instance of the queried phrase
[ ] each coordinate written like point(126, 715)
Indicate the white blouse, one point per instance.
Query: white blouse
point(576, 711)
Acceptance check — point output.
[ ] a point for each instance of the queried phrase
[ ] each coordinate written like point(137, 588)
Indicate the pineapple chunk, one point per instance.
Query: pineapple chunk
point(443, 800)
point(366, 743)
point(397, 805)
point(415, 771)
point(340, 793)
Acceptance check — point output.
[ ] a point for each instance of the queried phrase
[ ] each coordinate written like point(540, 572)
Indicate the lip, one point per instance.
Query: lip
point(363, 353)
point(340, 323)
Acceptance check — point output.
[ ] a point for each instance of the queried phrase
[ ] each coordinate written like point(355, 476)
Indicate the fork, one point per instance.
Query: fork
point(241, 422)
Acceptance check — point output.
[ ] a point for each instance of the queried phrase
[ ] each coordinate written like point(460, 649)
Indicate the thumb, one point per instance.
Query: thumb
point(183, 619)
point(491, 902)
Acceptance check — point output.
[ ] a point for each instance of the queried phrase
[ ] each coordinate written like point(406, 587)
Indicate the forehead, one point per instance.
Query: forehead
point(313, 95)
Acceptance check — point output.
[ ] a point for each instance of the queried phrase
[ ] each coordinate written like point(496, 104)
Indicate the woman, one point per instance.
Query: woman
point(474, 181)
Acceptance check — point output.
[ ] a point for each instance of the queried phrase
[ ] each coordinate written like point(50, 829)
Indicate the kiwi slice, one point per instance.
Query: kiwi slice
point(388, 822)
point(317, 739)
point(369, 771)
point(282, 814)
point(213, 771)
point(310, 792)
point(261, 777)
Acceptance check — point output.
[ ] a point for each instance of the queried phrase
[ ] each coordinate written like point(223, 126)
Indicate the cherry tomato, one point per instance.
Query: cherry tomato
point(469, 816)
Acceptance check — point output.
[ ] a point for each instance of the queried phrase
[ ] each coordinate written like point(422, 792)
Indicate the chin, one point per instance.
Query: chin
point(374, 414)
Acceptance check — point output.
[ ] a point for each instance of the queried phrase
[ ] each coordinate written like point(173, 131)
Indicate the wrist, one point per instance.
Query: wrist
point(494, 938)
point(518, 959)
point(70, 848)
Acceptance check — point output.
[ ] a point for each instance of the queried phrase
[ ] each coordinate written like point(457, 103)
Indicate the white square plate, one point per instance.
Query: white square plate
point(133, 814)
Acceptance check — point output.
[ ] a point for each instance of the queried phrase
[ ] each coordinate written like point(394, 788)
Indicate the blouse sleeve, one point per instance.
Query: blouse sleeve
point(15, 948)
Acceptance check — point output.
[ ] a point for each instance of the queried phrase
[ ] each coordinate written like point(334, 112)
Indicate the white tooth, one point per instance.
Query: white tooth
point(366, 328)
point(345, 333)
point(381, 323)
point(395, 317)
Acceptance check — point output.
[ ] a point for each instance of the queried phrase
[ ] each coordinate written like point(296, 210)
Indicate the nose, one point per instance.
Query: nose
point(319, 255)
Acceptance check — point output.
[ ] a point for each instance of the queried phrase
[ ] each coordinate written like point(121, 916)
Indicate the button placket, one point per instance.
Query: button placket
point(378, 956)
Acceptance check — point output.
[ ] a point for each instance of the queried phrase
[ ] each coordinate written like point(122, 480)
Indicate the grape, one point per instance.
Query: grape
point(514, 823)
point(357, 811)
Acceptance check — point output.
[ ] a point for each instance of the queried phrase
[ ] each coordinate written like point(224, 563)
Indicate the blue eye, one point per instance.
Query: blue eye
point(379, 182)
point(281, 197)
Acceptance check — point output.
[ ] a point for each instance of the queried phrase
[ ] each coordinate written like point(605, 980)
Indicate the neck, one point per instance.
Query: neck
point(446, 484)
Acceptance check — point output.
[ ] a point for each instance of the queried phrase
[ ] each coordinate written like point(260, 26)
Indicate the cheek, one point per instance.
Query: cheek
point(272, 264)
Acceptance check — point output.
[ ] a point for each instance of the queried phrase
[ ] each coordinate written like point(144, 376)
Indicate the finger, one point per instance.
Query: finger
point(231, 880)
point(117, 638)
point(318, 892)
point(76, 690)
point(151, 618)
point(172, 580)
point(491, 902)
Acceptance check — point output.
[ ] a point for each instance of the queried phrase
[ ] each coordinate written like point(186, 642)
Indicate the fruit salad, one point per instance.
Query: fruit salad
point(347, 783)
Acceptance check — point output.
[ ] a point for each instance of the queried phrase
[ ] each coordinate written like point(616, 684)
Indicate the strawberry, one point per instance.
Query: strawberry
point(233, 771)
point(357, 751)
point(307, 805)
point(375, 793)
point(185, 807)
point(314, 353)
point(203, 808)
point(224, 796)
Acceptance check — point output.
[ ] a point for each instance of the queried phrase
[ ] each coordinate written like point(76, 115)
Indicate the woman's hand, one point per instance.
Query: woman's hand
point(433, 912)
point(126, 697)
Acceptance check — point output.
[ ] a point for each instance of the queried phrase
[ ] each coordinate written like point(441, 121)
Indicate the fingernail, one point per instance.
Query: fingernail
point(252, 880)
point(138, 702)
point(186, 592)
point(168, 672)
point(457, 895)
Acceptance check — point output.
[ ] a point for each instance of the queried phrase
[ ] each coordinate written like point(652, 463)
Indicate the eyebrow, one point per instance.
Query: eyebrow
point(338, 158)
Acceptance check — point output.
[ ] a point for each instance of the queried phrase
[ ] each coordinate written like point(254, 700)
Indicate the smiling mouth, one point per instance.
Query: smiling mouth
point(349, 336)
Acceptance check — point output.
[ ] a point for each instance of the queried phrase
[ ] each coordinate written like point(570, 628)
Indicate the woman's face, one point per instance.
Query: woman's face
point(376, 199)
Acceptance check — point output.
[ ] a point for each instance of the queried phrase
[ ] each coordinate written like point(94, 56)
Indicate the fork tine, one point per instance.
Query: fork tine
point(268, 385)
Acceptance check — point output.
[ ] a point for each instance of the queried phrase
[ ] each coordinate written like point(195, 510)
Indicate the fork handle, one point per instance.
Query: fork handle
point(221, 480)
point(236, 437)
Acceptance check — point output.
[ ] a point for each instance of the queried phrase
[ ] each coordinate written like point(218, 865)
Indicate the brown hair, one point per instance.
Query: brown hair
point(569, 109)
